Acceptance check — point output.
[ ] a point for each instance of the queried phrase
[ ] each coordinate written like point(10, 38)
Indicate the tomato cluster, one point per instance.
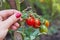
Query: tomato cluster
point(36, 23)
point(31, 21)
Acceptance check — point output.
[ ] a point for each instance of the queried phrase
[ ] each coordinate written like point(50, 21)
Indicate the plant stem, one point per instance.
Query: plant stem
point(18, 4)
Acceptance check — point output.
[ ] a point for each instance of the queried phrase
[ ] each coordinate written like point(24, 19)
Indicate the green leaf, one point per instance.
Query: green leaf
point(26, 38)
point(29, 31)
point(24, 16)
point(34, 34)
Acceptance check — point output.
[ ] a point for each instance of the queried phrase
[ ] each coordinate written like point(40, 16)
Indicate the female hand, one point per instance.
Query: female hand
point(8, 19)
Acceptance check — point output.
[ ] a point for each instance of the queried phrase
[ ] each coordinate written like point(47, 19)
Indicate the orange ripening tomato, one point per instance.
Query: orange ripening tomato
point(37, 23)
point(47, 23)
point(30, 21)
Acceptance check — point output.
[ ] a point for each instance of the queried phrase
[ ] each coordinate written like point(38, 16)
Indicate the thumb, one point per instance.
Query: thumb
point(12, 19)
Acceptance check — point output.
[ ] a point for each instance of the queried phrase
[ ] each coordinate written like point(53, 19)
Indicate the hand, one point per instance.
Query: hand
point(8, 19)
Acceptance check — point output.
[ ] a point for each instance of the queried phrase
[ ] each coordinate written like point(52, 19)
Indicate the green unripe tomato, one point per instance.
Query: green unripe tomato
point(43, 29)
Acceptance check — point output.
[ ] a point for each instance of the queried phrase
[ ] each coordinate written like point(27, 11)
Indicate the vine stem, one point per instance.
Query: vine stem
point(18, 4)
point(11, 35)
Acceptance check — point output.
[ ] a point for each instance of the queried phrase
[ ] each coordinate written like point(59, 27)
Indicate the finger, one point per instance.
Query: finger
point(1, 18)
point(12, 19)
point(16, 24)
point(13, 27)
point(21, 19)
point(6, 13)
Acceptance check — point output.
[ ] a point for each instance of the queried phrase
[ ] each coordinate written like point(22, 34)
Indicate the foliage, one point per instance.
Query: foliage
point(55, 8)
point(45, 6)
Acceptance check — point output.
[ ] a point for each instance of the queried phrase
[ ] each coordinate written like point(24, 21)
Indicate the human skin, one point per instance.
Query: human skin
point(8, 20)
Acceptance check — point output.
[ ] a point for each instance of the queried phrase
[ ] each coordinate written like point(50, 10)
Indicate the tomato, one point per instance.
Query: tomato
point(43, 29)
point(47, 23)
point(30, 21)
point(37, 23)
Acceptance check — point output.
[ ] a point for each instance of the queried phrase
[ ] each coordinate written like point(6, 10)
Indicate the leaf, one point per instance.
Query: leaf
point(34, 34)
point(29, 31)
point(26, 38)
point(24, 16)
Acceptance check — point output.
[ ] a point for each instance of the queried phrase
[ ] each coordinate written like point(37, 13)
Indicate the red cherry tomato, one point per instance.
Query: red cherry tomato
point(30, 21)
point(37, 23)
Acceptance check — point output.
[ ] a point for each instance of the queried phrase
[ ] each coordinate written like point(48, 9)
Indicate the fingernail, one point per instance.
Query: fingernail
point(18, 15)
